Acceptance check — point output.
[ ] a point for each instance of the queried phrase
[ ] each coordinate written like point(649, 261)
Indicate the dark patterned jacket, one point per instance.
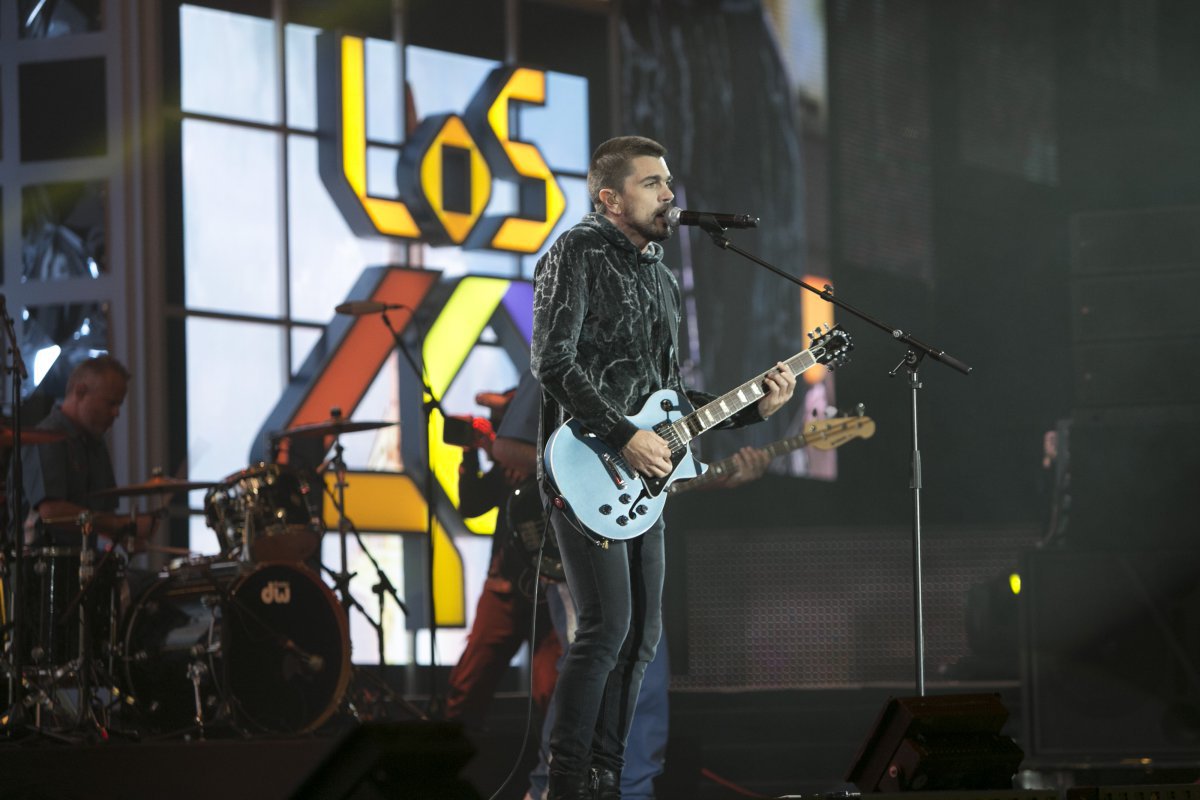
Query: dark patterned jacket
point(603, 322)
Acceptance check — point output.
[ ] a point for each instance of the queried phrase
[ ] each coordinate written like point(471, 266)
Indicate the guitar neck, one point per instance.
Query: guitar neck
point(719, 469)
point(730, 403)
point(776, 449)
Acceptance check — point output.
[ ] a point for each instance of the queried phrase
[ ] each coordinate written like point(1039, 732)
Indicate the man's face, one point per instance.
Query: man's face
point(640, 209)
point(96, 402)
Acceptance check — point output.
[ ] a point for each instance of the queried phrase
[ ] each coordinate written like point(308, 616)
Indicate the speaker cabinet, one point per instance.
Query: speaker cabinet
point(397, 761)
point(935, 743)
point(1133, 478)
point(1111, 656)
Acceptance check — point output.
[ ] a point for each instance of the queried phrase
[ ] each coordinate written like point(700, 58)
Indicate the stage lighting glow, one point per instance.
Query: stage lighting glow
point(43, 360)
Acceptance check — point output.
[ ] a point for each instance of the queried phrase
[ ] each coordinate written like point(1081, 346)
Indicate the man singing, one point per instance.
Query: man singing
point(606, 316)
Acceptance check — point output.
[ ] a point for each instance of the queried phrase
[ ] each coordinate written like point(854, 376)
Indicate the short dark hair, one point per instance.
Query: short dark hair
point(93, 367)
point(610, 164)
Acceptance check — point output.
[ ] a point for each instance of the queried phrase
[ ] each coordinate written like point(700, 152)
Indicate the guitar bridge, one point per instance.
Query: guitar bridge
point(614, 472)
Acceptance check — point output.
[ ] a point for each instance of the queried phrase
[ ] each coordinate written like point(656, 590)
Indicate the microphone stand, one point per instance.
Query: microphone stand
point(427, 407)
point(915, 353)
point(17, 371)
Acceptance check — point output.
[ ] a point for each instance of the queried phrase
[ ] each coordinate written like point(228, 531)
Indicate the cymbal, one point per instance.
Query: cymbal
point(159, 484)
point(29, 436)
point(331, 427)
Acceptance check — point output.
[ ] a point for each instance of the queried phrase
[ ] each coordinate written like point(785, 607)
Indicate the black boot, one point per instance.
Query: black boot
point(571, 785)
point(608, 783)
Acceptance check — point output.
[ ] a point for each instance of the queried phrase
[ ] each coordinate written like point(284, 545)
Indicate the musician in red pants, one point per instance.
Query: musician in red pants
point(505, 609)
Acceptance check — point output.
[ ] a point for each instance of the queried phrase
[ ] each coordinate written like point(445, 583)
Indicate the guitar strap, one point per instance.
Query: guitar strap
point(672, 309)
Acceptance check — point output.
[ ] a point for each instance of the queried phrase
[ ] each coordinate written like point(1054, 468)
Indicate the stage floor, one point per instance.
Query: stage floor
point(770, 743)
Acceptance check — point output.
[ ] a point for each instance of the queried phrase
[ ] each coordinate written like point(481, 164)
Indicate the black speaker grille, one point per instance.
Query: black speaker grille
point(825, 607)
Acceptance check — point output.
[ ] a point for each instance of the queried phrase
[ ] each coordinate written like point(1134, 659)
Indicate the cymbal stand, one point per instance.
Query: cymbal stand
point(342, 580)
point(88, 672)
point(15, 717)
point(15, 366)
point(87, 573)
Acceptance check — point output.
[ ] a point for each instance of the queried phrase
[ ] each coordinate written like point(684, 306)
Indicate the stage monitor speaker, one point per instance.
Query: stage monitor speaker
point(1112, 646)
point(1162, 791)
point(936, 743)
point(397, 761)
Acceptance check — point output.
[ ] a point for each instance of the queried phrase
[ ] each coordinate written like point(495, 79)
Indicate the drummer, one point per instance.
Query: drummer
point(60, 478)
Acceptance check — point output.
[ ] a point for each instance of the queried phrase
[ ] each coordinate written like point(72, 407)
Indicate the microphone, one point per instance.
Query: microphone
point(707, 219)
point(359, 307)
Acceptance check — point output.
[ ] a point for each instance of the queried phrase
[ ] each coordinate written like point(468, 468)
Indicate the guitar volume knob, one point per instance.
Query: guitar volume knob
point(641, 509)
point(605, 509)
point(625, 498)
point(622, 520)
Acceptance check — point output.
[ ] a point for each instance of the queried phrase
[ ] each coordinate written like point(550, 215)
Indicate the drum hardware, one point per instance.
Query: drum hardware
point(72, 599)
point(264, 513)
point(335, 427)
point(70, 607)
point(261, 647)
point(196, 672)
point(387, 697)
point(87, 672)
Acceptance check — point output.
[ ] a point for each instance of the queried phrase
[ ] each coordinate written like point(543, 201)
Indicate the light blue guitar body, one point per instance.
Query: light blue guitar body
point(604, 494)
point(600, 489)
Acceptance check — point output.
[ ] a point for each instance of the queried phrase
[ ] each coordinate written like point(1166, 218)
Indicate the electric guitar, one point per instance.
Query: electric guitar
point(822, 434)
point(606, 495)
point(528, 523)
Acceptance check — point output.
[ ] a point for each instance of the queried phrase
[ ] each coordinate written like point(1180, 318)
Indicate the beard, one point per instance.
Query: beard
point(655, 229)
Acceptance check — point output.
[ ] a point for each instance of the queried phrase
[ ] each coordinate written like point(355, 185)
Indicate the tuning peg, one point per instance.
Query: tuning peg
point(811, 335)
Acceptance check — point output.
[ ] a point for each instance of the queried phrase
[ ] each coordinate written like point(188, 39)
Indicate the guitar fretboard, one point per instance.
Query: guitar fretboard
point(730, 403)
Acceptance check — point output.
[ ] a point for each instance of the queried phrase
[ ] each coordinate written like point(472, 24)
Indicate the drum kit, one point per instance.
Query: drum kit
point(251, 638)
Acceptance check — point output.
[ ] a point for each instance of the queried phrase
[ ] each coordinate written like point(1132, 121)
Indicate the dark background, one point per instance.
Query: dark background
point(987, 163)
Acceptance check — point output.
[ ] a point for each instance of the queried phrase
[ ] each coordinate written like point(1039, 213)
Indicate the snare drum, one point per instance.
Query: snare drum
point(266, 647)
point(264, 513)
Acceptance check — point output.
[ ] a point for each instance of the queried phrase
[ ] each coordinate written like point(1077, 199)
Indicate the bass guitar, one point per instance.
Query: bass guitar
point(606, 495)
point(822, 434)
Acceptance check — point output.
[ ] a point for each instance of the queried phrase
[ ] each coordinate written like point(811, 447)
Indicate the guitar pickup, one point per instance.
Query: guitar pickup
point(614, 471)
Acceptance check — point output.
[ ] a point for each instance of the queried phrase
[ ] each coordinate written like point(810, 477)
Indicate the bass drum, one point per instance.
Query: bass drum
point(266, 648)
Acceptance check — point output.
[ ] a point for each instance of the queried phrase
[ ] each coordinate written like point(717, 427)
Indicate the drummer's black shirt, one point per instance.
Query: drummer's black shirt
point(70, 470)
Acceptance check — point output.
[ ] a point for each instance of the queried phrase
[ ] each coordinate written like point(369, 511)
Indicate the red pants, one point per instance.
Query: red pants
point(501, 625)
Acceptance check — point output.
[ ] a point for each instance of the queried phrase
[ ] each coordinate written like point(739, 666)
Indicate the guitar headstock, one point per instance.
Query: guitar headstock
point(830, 346)
point(831, 433)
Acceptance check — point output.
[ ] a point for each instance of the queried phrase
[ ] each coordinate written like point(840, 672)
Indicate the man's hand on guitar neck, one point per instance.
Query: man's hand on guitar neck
point(779, 384)
point(749, 464)
point(648, 453)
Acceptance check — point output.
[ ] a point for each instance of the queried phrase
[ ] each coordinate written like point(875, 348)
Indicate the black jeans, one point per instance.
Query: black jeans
point(618, 599)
